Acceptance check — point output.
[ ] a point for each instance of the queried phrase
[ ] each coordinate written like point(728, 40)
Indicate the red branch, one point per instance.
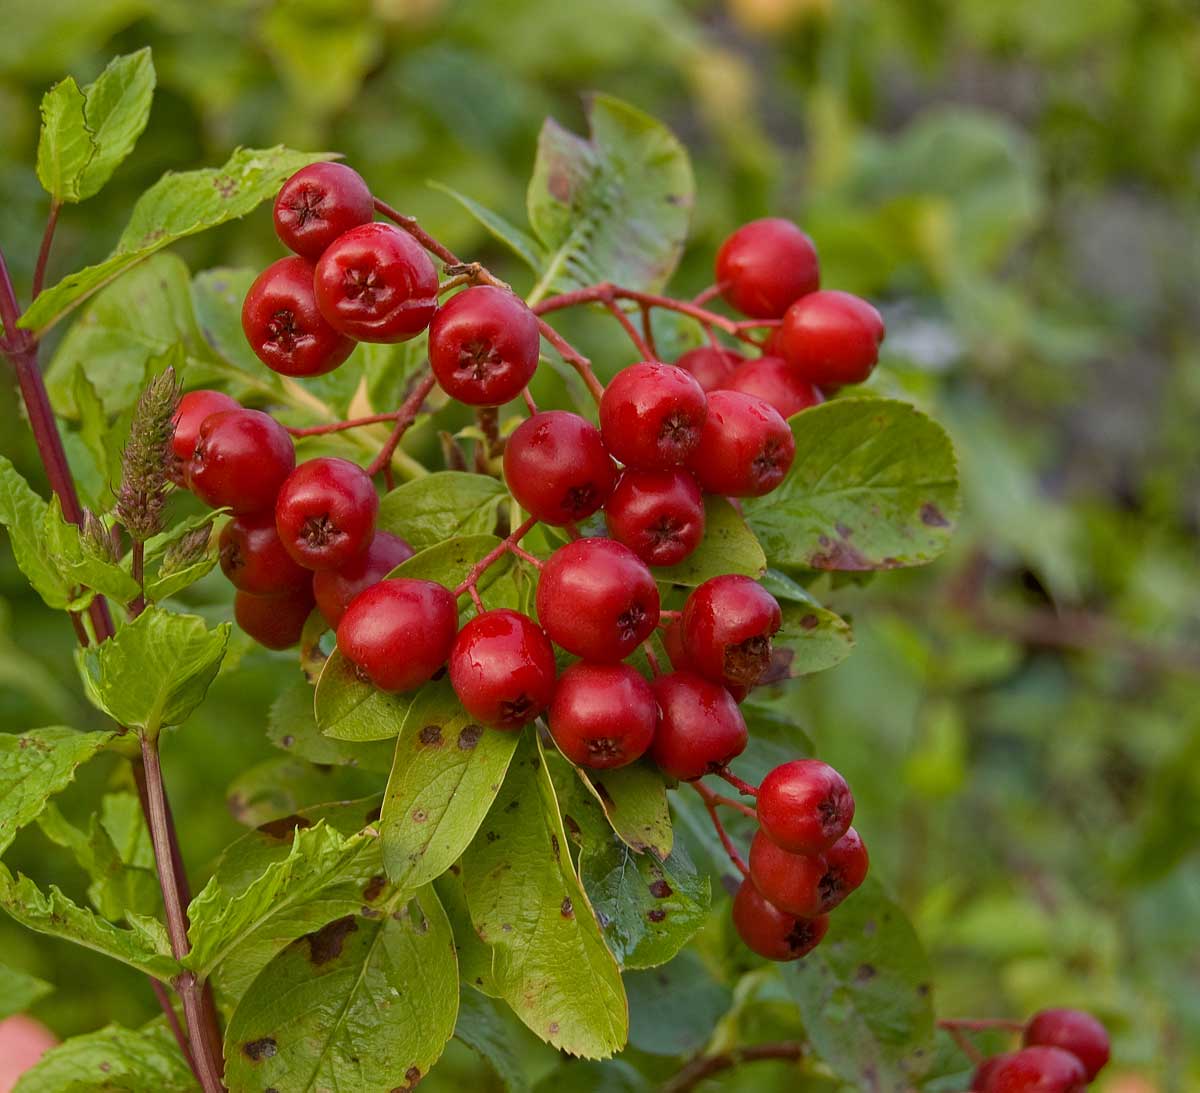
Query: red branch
point(710, 802)
point(507, 545)
point(404, 417)
point(741, 786)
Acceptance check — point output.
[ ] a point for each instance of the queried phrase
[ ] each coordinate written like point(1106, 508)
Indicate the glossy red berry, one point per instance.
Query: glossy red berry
point(240, 460)
point(652, 415)
point(283, 326)
point(398, 633)
point(746, 447)
point(484, 345)
point(1037, 1070)
point(710, 364)
point(275, 622)
point(597, 599)
point(557, 467)
point(194, 407)
point(774, 381)
point(1074, 1031)
point(765, 265)
point(326, 512)
point(254, 560)
point(375, 283)
point(672, 639)
point(846, 867)
point(603, 715)
point(984, 1072)
point(830, 338)
point(773, 933)
point(700, 728)
point(319, 203)
point(335, 588)
point(805, 806)
point(728, 623)
point(502, 668)
point(659, 515)
point(791, 882)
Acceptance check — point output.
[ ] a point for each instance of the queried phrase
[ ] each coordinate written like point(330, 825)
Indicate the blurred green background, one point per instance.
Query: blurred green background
point(1016, 185)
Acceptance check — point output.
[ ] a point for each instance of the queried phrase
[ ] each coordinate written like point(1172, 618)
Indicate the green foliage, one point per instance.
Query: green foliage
point(112, 1058)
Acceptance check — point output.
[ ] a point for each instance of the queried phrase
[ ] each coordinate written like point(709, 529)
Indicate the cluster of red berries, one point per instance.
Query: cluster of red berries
point(1063, 1051)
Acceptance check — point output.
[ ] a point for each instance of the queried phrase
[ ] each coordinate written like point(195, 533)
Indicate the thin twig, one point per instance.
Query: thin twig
point(708, 797)
point(741, 785)
point(39, 271)
point(505, 546)
point(405, 416)
point(341, 426)
point(707, 1065)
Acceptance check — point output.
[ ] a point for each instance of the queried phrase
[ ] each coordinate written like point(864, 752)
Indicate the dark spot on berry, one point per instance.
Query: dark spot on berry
point(629, 624)
point(568, 908)
point(580, 500)
point(660, 889)
point(800, 936)
point(746, 662)
point(305, 204)
point(257, 1050)
point(479, 358)
point(361, 285)
point(374, 887)
point(932, 516)
point(431, 735)
point(284, 827)
point(516, 712)
point(678, 432)
point(664, 533)
point(604, 749)
point(319, 531)
point(326, 943)
point(283, 331)
point(468, 737)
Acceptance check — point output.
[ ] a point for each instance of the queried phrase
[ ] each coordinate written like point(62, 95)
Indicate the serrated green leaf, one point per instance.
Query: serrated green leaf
point(117, 109)
point(112, 1060)
point(292, 726)
point(550, 962)
point(23, 513)
point(520, 243)
point(634, 799)
point(430, 510)
point(812, 638)
point(874, 486)
point(366, 1003)
point(19, 990)
point(77, 566)
point(277, 788)
point(65, 144)
point(729, 546)
point(474, 954)
point(155, 671)
point(482, 1028)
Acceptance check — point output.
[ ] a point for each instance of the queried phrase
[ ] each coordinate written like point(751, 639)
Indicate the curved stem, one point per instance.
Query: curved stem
point(739, 784)
point(341, 426)
point(404, 417)
point(707, 1065)
point(505, 546)
point(710, 802)
point(39, 271)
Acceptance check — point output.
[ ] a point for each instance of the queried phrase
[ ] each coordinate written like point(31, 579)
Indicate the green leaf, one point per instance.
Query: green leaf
point(674, 1009)
point(23, 513)
point(366, 1003)
point(864, 995)
point(874, 486)
point(474, 954)
point(36, 765)
point(65, 144)
point(612, 207)
point(550, 962)
point(112, 1060)
point(729, 546)
point(144, 946)
point(276, 788)
point(155, 671)
point(634, 799)
point(521, 244)
point(482, 1028)
point(117, 109)
point(19, 990)
point(812, 638)
point(445, 776)
point(176, 206)
point(292, 726)
point(79, 567)
point(430, 510)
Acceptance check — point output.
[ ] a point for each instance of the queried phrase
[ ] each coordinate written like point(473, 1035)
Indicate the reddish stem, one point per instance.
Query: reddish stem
point(648, 649)
point(648, 331)
point(404, 417)
point(710, 293)
point(530, 405)
point(410, 225)
point(729, 802)
point(710, 802)
point(39, 271)
point(707, 1065)
point(341, 426)
point(505, 546)
point(573, 357)
point(639, 343)
point(739, 784)
point(965, 1046)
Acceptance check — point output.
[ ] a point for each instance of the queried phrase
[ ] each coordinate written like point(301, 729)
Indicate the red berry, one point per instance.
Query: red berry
point(830, 338)
point(700, 727)
point(659, 515)
point(325, 512)
point(335, 588)
point(1074, 1031)
point(652, 414)
point(710, 364)
point(983, 1073)
point(283, 326)
point(728, 623)
point(774, 381)
point(319, 203)
point(194, 407)
point(672, 639)
point(275, 622)
point(399, 632)
point(254, 560)
point(765, 265)
point(484, 345)
point(746, 447)
point(557, 467)
point(846, 866)
point(597, 599)
point(1038, 1070)
point(773, 933)
point(376, 284)
point(240, 460)
point(805, 806)
point(502, 668)
point(791, 882)
point(603, 715)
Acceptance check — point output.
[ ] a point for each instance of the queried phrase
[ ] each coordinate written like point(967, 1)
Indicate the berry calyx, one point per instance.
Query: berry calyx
point(652, 414)
point(240, 460)
point(255, 561)
point(275, 622)
point(597, 599)
point(376, 284)
point(765, 265)
point(745, 449)
point(194, 407)
point(335, 588)
point(700, 728)
point(728, 623)
point(791, 882)
point(830, 338)
point(773, 933)
point(325, 512)
point(659, 515)
point(603, 715)
point(846, 867)
point(1074, 1031)
point(710, 364)
point(502, 668)
point(1037, 1070)
point(483, 346)
point(805, 806)
point(319, 203)
point(398, 633)
point(557, 467)
point(774, 381)
point(283, 325)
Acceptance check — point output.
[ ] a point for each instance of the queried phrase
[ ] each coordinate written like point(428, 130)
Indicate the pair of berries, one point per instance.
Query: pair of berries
point(805, 860)
point(1063, 1051)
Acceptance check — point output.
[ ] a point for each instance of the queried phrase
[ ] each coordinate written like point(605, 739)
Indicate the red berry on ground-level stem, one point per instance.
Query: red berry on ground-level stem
point(1037, 1070)
point(791, 882)
point(255, 561)
point(502, 668)
point(700, 728)
point(659, 515)
point(746, 447)
point(652, 414)
point(1074, 1031)
point(603, 715)
point(597, 599)
point(774, 381)
point(805, 806)
point(484, 345)
point(194, 407)
point(710, 364)
point(773, 933)
point(326, 512)
point(240, 460)
point(728, 623)
point(557, 467)
point(830, 338)
point(275, 622)
point(335, 588)
point(399, 632)
point(765, 265)
point(319, 203)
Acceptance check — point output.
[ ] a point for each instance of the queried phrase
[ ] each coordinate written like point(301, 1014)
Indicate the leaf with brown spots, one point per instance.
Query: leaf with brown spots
point(113, 1058)
point(634, 798)
point(812, 638)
